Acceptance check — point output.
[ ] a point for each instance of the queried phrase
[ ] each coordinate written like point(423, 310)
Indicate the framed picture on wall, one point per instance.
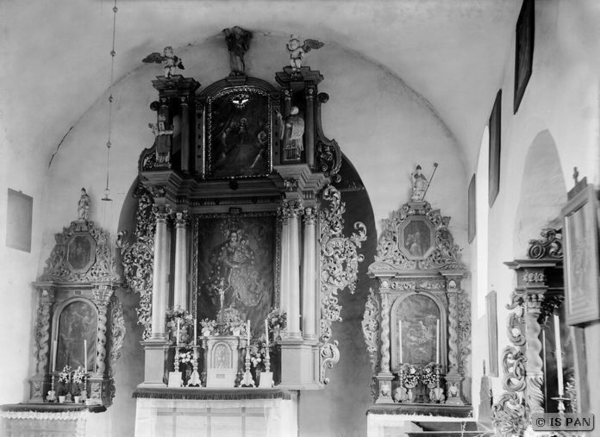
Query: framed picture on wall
point(495, 143)
point(580, 234)
point(472, 213)
point(524, 50)
point(492, 319)
point(19, 220)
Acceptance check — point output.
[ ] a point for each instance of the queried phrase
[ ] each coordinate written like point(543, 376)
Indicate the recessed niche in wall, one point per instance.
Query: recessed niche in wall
point(19, 220)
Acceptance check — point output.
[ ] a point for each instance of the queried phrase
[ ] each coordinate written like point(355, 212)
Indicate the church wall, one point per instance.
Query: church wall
point(560, 104)
point(383, 127)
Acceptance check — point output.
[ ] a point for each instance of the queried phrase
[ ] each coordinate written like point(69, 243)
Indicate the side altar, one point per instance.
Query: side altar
point(417, 323)
point(237, 250)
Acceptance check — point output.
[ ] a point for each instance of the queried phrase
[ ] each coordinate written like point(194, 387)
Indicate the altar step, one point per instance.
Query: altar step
point(449, 429)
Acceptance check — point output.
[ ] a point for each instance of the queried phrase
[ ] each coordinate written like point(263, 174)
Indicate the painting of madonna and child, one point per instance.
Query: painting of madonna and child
point(236, 267)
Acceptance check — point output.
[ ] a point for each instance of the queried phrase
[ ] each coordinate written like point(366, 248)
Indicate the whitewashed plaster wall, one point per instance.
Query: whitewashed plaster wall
point(560, 110)
point(382, 126)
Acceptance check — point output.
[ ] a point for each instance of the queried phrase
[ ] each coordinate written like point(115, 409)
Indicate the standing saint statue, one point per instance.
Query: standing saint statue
point(83, 206)
point(419, 185)
point(238, 43)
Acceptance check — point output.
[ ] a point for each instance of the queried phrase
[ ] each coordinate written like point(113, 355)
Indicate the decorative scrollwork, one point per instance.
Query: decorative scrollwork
point(549, 246)
point(370, 327)
point(330, 355)
point(339, 261)
point(138, 259)
point(513, 364)
point(464, 331)
point(508, 415)
point(117, 337)
point(445, 254)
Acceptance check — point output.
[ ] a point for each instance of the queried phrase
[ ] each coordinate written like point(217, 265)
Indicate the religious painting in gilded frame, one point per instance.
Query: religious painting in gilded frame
point(416, 238)
point(472, 212)
point(580, 233)
point(239, 129)
point(525, 34)
point(236, 265)
point(81, 252)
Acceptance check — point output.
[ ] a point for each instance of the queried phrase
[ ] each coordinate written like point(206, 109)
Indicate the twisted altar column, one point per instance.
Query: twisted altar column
point(385, 376)
point(535, 373)
point(453, 377)
point(42, 345)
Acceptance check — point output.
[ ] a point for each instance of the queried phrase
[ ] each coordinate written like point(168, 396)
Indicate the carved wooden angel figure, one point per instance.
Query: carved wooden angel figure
point(297, 50)
point(162, 134)
point(238, 43)
point(170, 62)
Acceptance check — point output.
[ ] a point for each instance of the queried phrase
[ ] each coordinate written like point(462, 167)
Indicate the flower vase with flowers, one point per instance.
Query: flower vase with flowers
point(186, 363)
point(209, 327)
point(78, 384)
point(410, 379)
point(64, 381)
point(277, 321)
point(179, 321)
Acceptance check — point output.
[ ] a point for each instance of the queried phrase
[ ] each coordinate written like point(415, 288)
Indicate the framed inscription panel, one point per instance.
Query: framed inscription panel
point(235, 265)
point(582, 285)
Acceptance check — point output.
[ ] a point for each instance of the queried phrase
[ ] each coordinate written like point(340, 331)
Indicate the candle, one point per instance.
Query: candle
point(400, 338)
point(267, 331)
point(248, 332)
point(195, 331)
point(85, 355)
point(437, 341)
point(559, 366)
point(54, 356)
point(178, 323)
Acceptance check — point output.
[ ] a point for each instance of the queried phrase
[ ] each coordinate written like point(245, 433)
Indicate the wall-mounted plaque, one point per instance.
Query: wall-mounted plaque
point(19, 220)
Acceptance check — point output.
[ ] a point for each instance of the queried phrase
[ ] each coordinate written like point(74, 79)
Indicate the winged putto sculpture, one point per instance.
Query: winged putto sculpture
point(296, 49)
point(170, 62)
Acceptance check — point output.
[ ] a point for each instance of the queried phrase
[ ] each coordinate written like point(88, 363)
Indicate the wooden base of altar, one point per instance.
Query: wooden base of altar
point(242, 412)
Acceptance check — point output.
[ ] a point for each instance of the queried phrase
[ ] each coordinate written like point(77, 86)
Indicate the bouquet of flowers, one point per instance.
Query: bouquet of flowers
point(186, 357)
point(209, 327)
point(258, 354)
point(428, 375)
point(64, 378)
point(186, 325)
point(276, 320)
point(410, 376)
point(79, 379)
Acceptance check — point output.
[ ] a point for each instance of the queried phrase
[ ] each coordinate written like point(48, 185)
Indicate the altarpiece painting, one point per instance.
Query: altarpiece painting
point(236, 266)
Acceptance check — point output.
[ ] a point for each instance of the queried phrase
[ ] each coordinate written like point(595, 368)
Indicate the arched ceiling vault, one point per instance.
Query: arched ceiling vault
point(453, 53)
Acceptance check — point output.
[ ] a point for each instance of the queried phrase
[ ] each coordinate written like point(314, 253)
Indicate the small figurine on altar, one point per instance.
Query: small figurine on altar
point(420, 185)
point(162, 134)
point(297, 50)
point(83, 206)
point(170, 62)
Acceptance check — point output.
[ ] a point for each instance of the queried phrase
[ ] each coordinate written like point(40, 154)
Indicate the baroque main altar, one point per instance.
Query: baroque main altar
point(237, 250)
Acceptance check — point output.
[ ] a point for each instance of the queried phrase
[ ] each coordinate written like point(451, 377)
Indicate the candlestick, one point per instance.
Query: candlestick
point(437, 341)
point(178, 323)
point(400, 339)
point(85, 356)
point(54, 356)
point(267, 332)
point(248, 332)
point(559, 365)
point(195, 332)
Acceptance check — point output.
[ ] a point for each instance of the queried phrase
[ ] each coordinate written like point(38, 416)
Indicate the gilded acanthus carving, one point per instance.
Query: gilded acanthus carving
point(370, 327)
point(508, 415)
point(116, 343)
point(138, 257)
point(339, 263)
point(549, 246)
point(464, 329)
point(66, 264)
point(442, 255)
